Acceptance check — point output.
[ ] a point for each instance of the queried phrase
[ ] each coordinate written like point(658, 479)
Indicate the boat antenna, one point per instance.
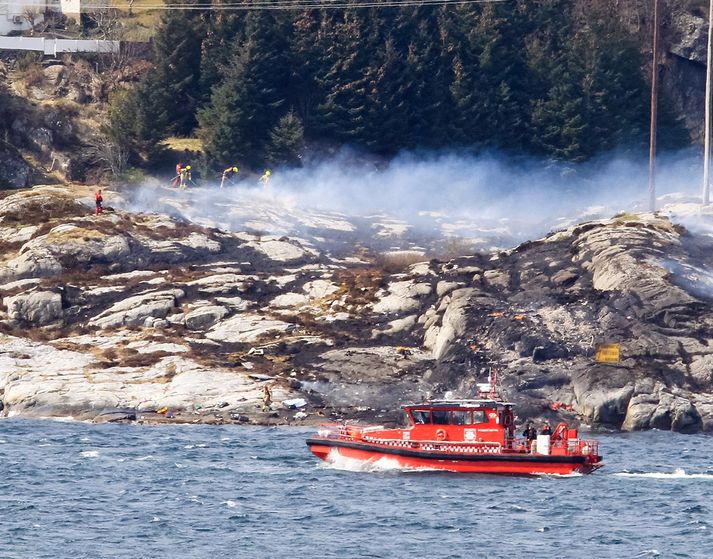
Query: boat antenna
point(489, 389)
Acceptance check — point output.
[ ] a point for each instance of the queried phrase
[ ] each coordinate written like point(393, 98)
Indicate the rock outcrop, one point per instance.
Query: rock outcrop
point(119, 314)
point(15, 172)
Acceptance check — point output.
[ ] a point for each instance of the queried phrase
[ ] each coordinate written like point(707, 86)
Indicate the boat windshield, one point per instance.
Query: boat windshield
point(421, 417)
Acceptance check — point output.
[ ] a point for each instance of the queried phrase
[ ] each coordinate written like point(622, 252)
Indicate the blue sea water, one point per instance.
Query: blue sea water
point(124, 491)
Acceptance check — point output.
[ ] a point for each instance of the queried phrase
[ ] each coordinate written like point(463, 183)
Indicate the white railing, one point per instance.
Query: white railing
point(53, 46)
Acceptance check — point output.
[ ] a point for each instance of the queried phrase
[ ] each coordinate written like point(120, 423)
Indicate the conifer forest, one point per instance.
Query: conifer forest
point(560, 79)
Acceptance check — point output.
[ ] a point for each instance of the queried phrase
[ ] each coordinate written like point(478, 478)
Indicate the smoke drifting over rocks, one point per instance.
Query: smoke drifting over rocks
point(141, 312)
point(489, 200)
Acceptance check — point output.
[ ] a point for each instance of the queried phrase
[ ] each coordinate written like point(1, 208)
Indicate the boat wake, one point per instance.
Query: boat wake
point(678, 473)
point(338, 462)
point(544, 474)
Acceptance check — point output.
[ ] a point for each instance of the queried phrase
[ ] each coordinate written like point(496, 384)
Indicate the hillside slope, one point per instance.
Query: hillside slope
point(123, 314)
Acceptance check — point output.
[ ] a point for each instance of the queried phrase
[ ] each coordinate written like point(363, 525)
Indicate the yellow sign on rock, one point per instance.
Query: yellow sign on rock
point(608, 353)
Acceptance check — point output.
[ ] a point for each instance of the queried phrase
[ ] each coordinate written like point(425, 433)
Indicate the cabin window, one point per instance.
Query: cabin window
point(479, 416)
point(420, 417)
point(461, 418)
point(440, 417)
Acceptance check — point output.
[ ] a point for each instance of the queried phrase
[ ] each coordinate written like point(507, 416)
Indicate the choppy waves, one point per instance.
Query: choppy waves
point(88, 491)
point(678, 473)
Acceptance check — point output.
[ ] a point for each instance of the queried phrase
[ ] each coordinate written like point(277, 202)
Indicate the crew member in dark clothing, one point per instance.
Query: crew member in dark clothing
point(546, 429)
point(530, 434)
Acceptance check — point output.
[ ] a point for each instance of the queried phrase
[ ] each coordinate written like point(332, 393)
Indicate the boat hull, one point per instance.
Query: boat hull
point(502, 463)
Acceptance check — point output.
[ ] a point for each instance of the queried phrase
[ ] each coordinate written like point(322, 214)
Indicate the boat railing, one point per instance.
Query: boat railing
point(346, 431)
point(569, 447)
point(473, 447)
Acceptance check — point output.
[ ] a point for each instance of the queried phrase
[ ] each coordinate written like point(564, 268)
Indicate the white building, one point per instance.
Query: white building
point(13, 12)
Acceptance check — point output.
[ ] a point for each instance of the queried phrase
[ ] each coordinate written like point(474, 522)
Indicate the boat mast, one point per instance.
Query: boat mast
point(654, 107)
point(707, 131)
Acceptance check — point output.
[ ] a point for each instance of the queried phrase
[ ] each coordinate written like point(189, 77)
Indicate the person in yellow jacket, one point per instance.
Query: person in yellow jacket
point(229, 175)
point(266, 398)
point(185, 176)
point(265, 178)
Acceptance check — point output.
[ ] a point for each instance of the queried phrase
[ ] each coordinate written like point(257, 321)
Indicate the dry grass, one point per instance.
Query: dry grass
point(42, 335)
point(128, 357)
point(79, 234)
point(397, 262)
point(141, 26)
point(358, 286)
point(8, 248)
point(78, 277)
point(69, 107)
point(33, 76)
point(626, 216)
point(181, 144)
point(42, 207)
point(455, 247)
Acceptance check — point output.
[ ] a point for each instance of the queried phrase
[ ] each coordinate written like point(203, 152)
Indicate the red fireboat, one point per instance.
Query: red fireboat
point(473, 436)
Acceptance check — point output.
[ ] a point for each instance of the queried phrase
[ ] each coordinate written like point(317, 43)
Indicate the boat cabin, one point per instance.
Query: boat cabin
point(486, 421)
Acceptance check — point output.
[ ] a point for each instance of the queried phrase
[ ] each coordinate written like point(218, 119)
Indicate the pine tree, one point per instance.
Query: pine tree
point(430, 58)
point(132, 122)
point(558, 120)
point(225, 28)
point(222, 123)
point(342, 114)
point(175, 79)
point(309, 44)
point(245, 106)
point(286, 141)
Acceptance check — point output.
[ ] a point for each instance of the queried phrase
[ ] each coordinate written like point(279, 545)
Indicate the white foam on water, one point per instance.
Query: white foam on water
point(155, 519)
point(85, 439)
point(143, 458)
point(543, 474)
point(224, 438)
point(383, 464)
point(2, 441)
point(230, 504)
point(189, 446)
point(649, 553)
point(63, 419)
point(678, 473)
point(180, 466)
point(89, 453)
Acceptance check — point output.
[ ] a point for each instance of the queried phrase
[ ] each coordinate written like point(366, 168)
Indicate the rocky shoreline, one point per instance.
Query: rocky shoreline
point(125, 314)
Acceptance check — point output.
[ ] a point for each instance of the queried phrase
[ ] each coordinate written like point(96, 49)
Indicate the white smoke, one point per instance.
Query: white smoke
point(439, 194)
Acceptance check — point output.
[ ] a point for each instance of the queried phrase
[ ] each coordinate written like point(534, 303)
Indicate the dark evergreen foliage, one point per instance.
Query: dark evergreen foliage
point(247, 104)
point(550, 77)
point(286, 141)
point(170, 94)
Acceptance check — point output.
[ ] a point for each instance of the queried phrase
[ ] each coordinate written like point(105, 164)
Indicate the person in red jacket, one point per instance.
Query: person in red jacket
point(177, 179)
point(98, 200)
